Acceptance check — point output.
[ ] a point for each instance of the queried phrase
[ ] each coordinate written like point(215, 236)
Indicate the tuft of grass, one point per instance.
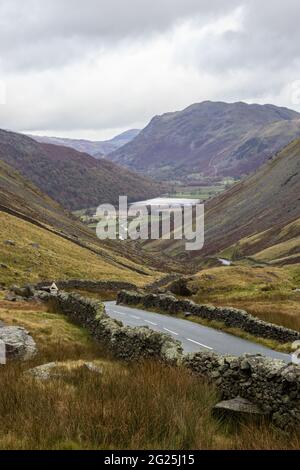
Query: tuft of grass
point(151, 406)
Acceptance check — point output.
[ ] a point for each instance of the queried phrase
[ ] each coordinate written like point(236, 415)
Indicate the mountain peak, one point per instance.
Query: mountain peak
point(210, 139)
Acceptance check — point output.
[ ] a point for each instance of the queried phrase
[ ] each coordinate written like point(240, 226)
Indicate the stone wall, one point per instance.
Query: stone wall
point(272, 385)
point(231, 317)
point(125, 342)
point(92, 286)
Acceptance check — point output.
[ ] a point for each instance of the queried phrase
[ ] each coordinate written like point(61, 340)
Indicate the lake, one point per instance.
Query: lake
point(169, 201)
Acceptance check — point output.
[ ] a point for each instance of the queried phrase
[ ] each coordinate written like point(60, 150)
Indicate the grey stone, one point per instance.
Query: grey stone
point(24, 292)
point(35, 245)
point(10, 297)
point(237, 406)
point(215, 374)
point(19, 344)
point(245, 365)
point(93, 367)
point(58, 370)
point(42, 372)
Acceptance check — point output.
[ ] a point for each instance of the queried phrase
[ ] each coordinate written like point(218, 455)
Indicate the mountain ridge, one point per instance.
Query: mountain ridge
point(210, 139)
point(97, 149)
point(76, 180)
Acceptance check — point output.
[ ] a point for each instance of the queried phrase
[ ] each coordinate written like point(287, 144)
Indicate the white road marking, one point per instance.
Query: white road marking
point(135, 317)
point(119, 313)
point(151, 322)
point(200, 344)
point(170, 331)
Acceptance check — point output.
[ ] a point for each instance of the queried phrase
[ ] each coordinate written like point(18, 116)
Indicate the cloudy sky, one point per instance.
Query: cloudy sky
point(93, 68)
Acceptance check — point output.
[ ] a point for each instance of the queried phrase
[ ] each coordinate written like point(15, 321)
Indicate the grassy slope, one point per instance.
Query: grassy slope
point(266, 292)
point(133, 407)
point(279, 245)
point(67, 247)
point(74, 179)
point(55, 257)
point(267, 200)
point(258, 217)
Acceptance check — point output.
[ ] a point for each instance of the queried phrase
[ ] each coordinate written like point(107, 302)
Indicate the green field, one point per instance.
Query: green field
point(201, 191)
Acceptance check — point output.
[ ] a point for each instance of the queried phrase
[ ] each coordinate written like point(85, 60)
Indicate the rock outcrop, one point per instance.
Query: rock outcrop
point(18, 343)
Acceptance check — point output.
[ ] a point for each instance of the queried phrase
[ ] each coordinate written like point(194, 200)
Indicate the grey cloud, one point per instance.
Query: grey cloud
point(269, 37)
point(61, 30)
point(78, 64)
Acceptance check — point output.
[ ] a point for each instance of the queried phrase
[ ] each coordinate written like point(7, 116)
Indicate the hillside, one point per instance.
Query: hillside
point(95, 148)
point(264, 207)
point(210, 139)
point(258, 217)
point(76, 180)
point(39, 240)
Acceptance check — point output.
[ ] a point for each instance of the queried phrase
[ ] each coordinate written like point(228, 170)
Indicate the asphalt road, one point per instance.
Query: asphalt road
point(194, 337)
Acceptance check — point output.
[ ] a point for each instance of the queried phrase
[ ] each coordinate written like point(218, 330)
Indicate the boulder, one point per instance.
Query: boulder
point(11, 297)
point(237, 407)
point(60, 369)
point(18, 343)
point(181, 287)
point(25, 292)
point(43, 372)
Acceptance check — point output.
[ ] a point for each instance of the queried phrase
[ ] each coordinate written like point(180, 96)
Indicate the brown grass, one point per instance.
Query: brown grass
point(149, 407)
point(139, 406)
point(284, 313)
point(57, 258)
point(267, 293)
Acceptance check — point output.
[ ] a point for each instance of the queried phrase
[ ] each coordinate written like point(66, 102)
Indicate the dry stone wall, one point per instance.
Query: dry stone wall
point(272, 385)
point(93, 286)
point(231, 317)
point(125, 342)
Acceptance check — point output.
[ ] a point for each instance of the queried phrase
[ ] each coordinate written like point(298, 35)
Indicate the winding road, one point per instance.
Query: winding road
point(194, 337)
